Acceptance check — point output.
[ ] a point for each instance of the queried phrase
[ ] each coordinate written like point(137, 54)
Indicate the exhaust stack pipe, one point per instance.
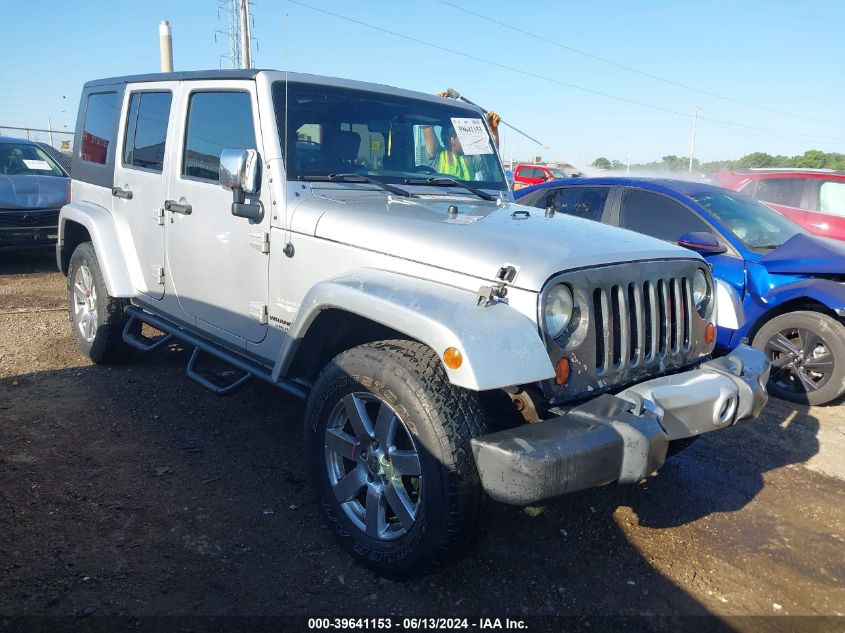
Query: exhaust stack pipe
point(165, 43)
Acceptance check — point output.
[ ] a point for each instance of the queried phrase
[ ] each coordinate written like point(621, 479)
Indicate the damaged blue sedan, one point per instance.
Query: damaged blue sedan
point(779, 287)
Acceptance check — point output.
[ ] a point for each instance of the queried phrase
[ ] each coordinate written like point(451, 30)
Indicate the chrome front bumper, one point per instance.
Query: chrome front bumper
point(621, 438)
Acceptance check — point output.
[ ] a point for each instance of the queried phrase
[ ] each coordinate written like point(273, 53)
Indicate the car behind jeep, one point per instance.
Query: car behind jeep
point(453, 347)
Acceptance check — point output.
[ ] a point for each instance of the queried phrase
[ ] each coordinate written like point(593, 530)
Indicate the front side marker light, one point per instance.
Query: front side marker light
point(709, 334)
point(452, 358)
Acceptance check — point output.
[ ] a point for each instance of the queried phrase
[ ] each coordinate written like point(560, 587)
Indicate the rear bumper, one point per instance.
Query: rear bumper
point(621, 438)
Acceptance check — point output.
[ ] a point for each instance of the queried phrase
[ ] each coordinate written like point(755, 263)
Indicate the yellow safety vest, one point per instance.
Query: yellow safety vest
point(457, 167)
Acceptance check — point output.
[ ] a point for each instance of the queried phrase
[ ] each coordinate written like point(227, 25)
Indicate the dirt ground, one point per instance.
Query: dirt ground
point(131, 490)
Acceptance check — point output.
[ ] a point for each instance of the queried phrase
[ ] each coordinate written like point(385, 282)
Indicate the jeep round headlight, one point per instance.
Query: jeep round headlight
point(557, 310)
point(701, 292)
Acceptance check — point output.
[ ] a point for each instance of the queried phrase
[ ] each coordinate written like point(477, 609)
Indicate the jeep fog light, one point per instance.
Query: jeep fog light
point(557, 310)
point(701, 292)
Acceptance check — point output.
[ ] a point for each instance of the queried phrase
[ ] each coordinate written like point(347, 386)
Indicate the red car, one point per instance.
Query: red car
point(815, 198)
point(527, 175)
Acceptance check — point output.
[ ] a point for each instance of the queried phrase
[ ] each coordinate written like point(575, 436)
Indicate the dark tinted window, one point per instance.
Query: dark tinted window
point(584, 202)
point(216, 121)
point(658, 216)
point(146, 130)
point(785, 191)
point(99, 127)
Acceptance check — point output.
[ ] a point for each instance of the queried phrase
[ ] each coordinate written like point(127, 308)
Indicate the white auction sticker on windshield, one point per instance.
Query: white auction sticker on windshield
point(41, 165)
point(473, 136)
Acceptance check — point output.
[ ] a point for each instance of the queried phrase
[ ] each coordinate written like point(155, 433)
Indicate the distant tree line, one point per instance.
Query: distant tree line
point(811, 159)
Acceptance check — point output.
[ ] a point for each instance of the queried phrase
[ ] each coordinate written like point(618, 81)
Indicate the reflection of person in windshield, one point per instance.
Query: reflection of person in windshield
point(448, 155)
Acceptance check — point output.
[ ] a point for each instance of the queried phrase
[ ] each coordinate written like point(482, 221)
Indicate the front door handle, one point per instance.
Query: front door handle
point(172, 205)
point(117, 192)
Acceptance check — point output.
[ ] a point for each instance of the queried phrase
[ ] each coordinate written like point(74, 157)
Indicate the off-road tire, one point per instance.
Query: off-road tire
point(828, 330)
point(107, 346)
point(441, 419)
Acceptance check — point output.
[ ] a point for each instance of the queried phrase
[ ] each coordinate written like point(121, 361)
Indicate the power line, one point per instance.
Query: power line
point(527, 73)
point(643, 73)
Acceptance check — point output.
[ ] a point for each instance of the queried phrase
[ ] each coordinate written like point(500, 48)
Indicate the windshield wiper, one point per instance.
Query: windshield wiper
point(358, 178)
point(448, 182)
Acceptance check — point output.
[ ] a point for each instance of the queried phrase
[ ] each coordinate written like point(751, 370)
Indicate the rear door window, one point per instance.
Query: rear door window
point(784, 191)
point(98, 129)
point(583, 202)
point(658, 216)
point(146, 130)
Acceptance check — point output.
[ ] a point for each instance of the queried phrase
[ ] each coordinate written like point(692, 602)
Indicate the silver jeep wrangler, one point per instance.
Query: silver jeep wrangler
point(453, 347)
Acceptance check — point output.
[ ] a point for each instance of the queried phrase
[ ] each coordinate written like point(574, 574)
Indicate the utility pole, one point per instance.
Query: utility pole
point(692, 142)
point(246, 44)
point(50, 130)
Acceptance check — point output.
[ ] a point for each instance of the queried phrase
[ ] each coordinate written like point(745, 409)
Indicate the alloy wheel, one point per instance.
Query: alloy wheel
point(801, 360)
point(85, 315)
point(373, 466)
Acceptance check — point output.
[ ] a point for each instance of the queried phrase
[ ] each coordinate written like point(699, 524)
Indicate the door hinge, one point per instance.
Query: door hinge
point(258, 311)
point(260, 242)
point(158, 271)
point(159, 217)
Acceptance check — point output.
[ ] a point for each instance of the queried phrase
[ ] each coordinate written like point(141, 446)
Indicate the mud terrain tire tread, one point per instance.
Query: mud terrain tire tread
point(108, 347)
point(454, 417)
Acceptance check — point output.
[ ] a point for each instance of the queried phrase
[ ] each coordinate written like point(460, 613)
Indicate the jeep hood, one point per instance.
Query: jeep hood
point(806, 255)
point(478, 240)
point(32, 192)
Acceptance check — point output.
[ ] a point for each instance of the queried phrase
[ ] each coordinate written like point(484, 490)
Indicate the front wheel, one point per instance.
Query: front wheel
point(387, 440)
point(807, 353)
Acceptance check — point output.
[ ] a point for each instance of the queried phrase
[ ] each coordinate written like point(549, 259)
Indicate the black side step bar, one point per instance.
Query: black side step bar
point(133, 337)
point(171, 331)
point(206, 379)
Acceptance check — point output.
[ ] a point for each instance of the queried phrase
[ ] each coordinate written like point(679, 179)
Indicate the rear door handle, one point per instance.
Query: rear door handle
point(172, 205)
point(117, 192)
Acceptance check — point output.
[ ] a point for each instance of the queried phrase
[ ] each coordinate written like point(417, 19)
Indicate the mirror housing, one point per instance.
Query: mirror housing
point(702, 242)
point(240, 173)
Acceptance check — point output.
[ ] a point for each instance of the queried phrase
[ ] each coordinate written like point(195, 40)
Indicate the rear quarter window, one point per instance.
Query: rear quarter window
point(98, 129)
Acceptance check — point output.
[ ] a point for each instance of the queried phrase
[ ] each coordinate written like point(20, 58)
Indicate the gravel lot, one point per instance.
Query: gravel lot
point(130, 490)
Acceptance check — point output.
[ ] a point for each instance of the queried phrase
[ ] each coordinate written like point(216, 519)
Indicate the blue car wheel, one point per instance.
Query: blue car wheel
point(807, 352)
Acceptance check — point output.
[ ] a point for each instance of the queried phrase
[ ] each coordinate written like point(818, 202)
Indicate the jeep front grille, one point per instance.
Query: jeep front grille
point(642, 323)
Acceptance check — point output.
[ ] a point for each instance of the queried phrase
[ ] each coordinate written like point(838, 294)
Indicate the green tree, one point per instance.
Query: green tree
point(601, 163)
point(617, 165)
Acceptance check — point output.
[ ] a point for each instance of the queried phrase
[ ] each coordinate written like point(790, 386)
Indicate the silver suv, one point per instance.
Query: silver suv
point(453, 347)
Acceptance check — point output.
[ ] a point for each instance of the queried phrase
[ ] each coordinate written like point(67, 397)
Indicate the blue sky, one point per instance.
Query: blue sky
point(780, 59)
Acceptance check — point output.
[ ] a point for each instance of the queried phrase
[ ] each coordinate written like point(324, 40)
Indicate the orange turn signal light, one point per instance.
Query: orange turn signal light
point(452, 358)
point(562, 371)
point(709, 333)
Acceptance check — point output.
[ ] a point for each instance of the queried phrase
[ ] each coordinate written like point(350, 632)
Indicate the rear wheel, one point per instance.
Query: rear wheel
point(96, 318)
point(387, 440)
point(807, 352)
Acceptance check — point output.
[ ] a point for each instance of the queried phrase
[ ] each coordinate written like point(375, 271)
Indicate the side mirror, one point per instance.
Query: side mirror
point(239, 173)
point(702, 242)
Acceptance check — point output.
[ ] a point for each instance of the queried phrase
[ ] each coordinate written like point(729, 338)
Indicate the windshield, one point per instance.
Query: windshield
point(757, 226)
point(333, 130)
point(558, 173)
point(22, 159)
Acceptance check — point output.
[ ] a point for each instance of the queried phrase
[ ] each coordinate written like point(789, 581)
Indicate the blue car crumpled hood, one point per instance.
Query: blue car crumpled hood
point(32, 192)
point(808, 255)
